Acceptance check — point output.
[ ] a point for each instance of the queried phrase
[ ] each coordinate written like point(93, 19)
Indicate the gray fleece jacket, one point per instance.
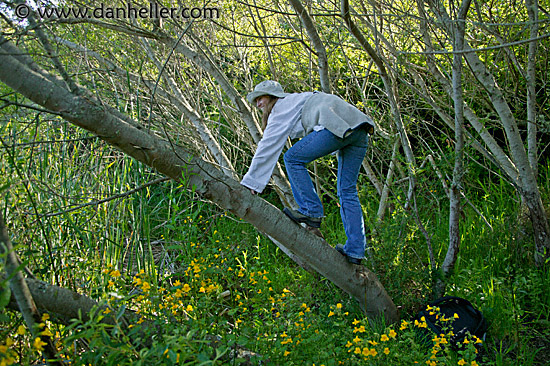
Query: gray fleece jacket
point(334, 114)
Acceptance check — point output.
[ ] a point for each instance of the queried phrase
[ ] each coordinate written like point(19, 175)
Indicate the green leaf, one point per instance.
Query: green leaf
point(5, 294)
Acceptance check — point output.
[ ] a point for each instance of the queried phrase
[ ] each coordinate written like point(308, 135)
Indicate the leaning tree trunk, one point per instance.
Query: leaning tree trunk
point(83, 110)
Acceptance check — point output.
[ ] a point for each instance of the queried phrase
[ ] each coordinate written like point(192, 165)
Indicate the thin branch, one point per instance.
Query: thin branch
point(111, 198)
point(468, 49)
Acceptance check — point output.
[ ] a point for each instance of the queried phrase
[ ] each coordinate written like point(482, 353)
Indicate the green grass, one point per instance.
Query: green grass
point(213, 283)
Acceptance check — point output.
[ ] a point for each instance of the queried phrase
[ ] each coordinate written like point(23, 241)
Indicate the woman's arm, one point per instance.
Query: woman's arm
point(267, 154)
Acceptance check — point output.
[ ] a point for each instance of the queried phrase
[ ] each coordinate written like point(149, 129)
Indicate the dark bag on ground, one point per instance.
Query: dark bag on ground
point(468, 320)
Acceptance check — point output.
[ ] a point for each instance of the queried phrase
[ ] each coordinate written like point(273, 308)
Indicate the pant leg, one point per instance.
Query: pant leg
point(313, 146)
point(350, 159)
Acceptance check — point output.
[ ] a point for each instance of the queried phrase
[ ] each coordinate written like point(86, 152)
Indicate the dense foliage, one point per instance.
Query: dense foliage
point(200, 285)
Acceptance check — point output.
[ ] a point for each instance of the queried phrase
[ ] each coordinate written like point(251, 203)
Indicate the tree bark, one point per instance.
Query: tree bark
point(84, 111)
point(384, 195)
point(533, 12)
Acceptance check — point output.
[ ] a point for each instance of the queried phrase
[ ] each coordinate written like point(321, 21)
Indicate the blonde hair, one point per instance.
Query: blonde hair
point(267, 110)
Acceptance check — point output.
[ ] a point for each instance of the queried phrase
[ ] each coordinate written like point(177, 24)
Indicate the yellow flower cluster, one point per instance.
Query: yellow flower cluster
point(286, 339)
point(369, 347)
point(8, 356)
point(422, 323)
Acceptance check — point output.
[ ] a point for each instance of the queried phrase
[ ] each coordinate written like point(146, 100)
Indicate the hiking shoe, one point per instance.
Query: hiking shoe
point(340, 249)
point(300, 218)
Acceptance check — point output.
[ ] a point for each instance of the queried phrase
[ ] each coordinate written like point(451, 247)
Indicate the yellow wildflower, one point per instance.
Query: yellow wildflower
point(21, 330)
point(286, 353)
point(387, 351)
point(115, 273)
point(392, 333)
point(145, 286)
point(38, 344)
point(331, 313)
point(462, 362)
point(46, 332)
point(286, 341)
point(339, 306)
point(384, 338)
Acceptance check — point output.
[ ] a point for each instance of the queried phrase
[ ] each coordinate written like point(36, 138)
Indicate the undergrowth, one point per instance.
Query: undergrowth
point(200, 286)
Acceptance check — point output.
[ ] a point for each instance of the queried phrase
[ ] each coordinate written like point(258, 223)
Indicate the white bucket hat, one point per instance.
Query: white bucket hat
point(267, 87)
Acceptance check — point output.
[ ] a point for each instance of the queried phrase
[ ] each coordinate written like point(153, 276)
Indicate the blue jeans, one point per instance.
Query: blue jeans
point(351, 151)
